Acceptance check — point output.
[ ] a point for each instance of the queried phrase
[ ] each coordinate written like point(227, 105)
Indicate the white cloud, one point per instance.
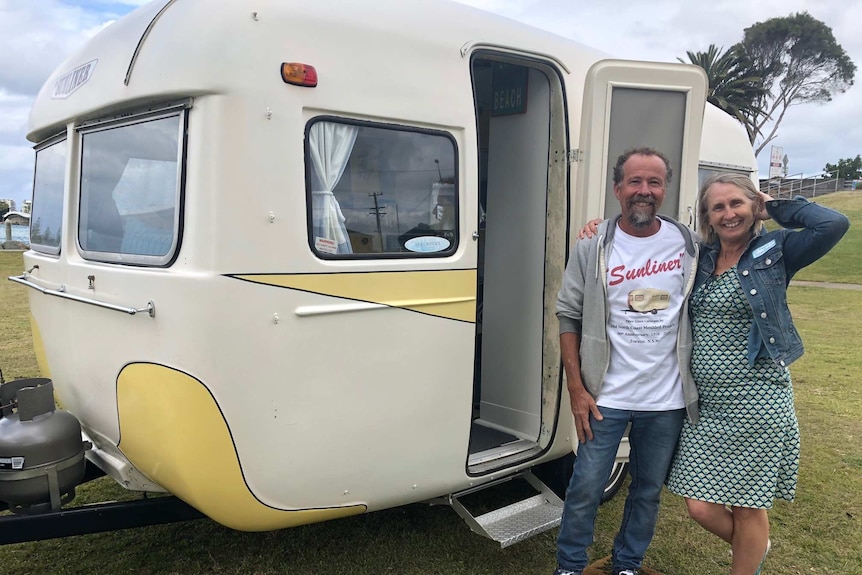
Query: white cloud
point(12, 157)
point(664, 30)
point(16, 172)
point(37, 35)
point(13, 120)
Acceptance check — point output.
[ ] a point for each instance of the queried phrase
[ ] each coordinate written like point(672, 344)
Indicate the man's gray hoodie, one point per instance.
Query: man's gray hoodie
point(582, 308)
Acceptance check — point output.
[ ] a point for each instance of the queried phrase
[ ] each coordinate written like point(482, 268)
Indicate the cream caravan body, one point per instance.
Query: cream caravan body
point(289, 303)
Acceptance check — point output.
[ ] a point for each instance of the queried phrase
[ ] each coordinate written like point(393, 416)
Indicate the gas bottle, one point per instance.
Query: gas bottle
point(41, 450)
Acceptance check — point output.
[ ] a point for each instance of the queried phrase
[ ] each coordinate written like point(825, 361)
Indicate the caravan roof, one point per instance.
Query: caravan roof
point(373, 49)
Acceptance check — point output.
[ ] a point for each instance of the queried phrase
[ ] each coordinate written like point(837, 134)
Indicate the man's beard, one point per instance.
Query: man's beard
point(641, 217)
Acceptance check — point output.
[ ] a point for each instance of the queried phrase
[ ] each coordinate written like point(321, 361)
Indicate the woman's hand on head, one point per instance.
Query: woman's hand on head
point(764, 197)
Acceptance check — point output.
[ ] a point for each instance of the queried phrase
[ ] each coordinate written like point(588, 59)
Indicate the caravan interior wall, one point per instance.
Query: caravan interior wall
point(514, 261)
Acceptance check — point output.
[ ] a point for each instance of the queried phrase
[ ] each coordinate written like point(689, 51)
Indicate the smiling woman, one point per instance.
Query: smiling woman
point(744, 453)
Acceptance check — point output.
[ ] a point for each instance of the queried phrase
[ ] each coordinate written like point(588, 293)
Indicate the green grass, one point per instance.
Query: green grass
point(16, 342)
point(820, 533)
point(842, 263)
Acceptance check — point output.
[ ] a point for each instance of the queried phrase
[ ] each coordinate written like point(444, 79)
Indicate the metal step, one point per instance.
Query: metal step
point(517, 521)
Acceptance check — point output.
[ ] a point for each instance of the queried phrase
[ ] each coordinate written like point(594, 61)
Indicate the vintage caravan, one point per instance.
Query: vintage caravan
point(293, 261)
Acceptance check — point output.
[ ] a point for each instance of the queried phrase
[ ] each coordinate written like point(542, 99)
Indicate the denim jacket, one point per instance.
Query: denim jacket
point(769, 262)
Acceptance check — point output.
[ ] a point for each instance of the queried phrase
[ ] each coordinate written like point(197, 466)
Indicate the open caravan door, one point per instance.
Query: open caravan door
point(640, 104)
point(628, 105)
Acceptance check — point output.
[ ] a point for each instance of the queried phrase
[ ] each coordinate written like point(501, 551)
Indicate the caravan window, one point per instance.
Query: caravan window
point(130, 191)
point(46, 219)
point(380, 191)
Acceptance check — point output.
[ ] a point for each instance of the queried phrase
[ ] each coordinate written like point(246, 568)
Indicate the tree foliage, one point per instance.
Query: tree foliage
point(4, 207)
point(799, 62)
point(734, 82)
point(847, 168)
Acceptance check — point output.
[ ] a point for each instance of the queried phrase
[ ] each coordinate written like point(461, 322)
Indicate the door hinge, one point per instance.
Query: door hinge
point(573, 156)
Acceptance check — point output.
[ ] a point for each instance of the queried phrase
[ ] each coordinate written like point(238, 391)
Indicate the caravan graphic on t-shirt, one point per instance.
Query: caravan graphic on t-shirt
point(647, 300)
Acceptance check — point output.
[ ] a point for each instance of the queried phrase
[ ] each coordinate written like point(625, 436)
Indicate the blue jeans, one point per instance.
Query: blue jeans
point(653, 439)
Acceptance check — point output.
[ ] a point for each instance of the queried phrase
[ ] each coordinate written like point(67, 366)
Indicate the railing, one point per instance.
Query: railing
point(149, 309)
point(797, 185)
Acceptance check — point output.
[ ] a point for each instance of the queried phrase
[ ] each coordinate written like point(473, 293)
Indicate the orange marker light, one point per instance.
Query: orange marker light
point(299, 74)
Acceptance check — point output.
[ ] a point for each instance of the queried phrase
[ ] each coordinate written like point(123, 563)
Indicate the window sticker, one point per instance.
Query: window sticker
point(325, 245)
point(427, 244)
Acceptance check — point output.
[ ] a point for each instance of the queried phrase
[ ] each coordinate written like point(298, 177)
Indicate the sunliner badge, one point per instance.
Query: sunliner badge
point(72, 80)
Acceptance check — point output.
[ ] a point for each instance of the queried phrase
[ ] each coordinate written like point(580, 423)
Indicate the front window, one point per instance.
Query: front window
point(380, 191)
point(46, 218)
point(130, 191)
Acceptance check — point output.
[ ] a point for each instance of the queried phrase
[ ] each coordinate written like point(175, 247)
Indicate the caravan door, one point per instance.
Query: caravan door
point(523, 178)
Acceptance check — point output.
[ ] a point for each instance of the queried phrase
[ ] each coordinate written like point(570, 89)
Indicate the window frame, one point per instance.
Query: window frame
point(61, 137)
point(166, 260)
point(450, 251)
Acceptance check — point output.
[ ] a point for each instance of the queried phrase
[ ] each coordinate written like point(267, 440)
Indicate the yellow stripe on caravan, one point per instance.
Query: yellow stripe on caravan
point(446, 293)
point(174, 433)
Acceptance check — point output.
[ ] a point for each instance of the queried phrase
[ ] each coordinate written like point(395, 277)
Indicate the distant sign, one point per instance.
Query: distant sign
point(509, 90)
point(776, 158)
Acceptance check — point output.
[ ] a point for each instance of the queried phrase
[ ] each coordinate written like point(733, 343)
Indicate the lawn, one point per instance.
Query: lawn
point(842, 264)
point(820, 533)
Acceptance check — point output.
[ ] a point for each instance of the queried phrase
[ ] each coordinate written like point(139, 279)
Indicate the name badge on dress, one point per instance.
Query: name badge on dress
point(763, 249)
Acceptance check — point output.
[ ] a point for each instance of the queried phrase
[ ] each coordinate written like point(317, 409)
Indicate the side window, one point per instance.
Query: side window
point(380, 191)
point(130, 191)
point(47, 214)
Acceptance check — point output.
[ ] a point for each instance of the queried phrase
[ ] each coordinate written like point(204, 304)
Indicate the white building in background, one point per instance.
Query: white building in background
point(17, 218)
point(26, 206)
point(11, 203)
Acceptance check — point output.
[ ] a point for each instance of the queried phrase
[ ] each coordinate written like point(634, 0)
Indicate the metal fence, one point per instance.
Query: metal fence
point(790, 186)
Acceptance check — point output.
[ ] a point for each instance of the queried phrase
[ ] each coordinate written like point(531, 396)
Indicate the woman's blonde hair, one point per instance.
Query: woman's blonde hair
point(742, 182)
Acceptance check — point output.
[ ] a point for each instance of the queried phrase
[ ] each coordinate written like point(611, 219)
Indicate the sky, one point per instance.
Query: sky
point(37, 35)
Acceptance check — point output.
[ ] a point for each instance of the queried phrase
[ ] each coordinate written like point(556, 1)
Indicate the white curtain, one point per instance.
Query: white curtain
point(330, 146)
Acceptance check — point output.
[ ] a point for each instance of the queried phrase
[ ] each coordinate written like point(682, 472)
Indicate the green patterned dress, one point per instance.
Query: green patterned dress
point(744, 452)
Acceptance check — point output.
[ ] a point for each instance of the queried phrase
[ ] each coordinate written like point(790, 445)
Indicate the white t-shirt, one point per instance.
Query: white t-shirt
point(645, 293)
